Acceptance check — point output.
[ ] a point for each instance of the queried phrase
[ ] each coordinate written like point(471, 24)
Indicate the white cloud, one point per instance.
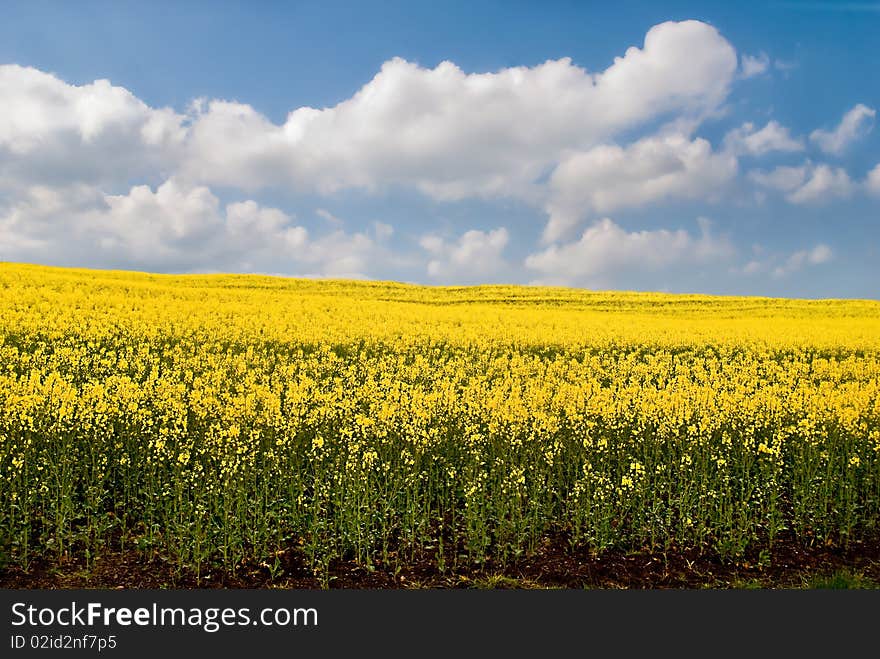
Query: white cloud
point(609, 177)
point(855, 124)
point(449, 134)
point(816, 256)
point(783, 179)
point(779, 266)
point(554, 135)
point(341, 255)
point(329, 217)
point(454, 135)
point(474, 256)
point(872, 182)
point(175, 228)
point(824, 184)
point(754, 65)
point(806, 184)
point(605, 249)
point(33, 224)
point(157, 225)
point(55, 133)
point(772, 137)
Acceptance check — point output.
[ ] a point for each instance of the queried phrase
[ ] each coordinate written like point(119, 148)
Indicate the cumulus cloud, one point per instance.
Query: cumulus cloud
point(452, 134)
point(806, 184)
point(610, 177)
point(555, 135)
point(474, 256)
point(340, 255)
point(55, 133)
point(447, 133)
point(754, 65)
point(605, 249)
point(745, 140)
point(175, 228)
point(855, 124)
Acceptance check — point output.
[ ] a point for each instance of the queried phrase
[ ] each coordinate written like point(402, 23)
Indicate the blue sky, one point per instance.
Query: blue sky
point(735, 152)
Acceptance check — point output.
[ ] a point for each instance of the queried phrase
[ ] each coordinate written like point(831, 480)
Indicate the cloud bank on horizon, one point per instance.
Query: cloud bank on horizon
point(91, 175)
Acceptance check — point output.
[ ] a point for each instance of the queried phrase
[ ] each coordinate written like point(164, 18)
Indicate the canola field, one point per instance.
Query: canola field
point(217, 420)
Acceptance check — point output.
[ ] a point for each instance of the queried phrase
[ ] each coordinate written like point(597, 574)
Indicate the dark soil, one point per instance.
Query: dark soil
point(790, 564)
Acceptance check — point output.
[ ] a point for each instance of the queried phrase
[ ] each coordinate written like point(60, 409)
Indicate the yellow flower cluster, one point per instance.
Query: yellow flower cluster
point(220, 417)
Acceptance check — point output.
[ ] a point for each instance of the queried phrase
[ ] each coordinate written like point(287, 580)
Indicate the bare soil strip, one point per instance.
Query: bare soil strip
point(789, 564)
